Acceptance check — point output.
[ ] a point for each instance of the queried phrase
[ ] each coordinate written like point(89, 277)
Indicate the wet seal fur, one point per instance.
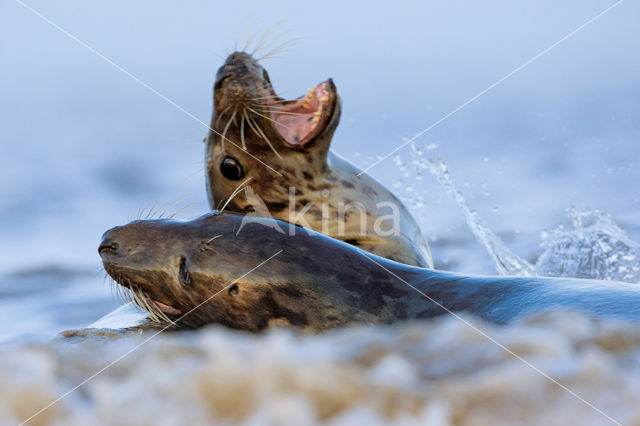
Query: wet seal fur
point(196, 272)
point(293, 137)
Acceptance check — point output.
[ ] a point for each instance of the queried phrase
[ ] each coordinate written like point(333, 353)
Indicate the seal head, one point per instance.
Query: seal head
point(245, 99)
point(203, 271)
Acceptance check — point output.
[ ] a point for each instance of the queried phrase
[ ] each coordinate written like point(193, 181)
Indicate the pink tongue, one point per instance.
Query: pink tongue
point(169, 310)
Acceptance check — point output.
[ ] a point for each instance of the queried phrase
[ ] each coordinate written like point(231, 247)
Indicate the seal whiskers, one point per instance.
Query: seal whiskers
point(264, 37)
point(265, 97)
point(143, 301)
point(264, 137)
point(213, 238)
point(282, 110)
point(222, 115)
point(278, 49)
point(263, 42)
point(174, 214)
point(135, 295)
point(244, 144)
point(268, 118)
point(240, 188)
point(250, 123)
point(224, 132)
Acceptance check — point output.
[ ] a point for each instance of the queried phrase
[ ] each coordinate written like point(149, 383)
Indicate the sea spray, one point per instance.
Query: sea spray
point(505, 261)
point(595, 248)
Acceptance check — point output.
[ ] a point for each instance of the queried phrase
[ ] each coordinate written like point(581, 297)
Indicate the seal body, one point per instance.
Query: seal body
point(205, 271)
point(281, 149)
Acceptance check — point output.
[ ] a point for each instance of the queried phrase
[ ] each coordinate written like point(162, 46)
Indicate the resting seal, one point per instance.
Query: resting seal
point(203, 271)
point(283, 146)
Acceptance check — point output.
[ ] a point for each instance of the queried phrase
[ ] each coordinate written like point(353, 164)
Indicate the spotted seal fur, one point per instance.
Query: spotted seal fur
point(283, 147)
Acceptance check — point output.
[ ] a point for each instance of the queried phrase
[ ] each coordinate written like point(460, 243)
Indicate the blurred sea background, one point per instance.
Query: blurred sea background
point(85, 147)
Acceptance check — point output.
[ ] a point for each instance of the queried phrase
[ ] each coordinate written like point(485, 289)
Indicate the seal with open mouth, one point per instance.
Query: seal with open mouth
point(283, 146)
point(203, 271)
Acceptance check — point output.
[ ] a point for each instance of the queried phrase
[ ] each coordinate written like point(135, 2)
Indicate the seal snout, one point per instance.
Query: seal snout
point(108, 246)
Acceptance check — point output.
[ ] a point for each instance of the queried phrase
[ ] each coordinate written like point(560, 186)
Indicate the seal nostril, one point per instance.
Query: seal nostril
point(221, 77)
point(233, 290)
point(108, 245)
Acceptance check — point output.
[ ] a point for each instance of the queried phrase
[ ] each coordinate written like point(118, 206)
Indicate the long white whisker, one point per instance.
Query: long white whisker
point(268, 118)
point(244, 144)
point(234, 193)
point(264, 97)
point(221, 114)
point(279, 49)
point(263, 38)
point(261, 133)
point(224, 132)
point(293, 113)
point(250, 123)
point(171, 216)
point(213, 238)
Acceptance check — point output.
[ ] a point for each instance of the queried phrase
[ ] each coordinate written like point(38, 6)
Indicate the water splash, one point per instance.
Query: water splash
point(505, 261)
point(595, 248)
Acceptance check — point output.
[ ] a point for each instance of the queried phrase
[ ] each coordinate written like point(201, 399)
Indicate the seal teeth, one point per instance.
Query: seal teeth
point(307, 99)
point(324, 99)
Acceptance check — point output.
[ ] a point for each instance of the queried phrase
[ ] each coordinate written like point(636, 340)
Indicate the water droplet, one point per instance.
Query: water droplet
point(416, 149)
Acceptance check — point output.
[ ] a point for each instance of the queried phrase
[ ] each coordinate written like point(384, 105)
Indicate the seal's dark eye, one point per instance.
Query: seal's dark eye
point(185, 277)
point(230, 169)
point(233, 290)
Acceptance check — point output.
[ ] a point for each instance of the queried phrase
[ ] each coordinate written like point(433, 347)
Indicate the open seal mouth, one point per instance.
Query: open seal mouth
point(245, 102)
point(300, 120)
